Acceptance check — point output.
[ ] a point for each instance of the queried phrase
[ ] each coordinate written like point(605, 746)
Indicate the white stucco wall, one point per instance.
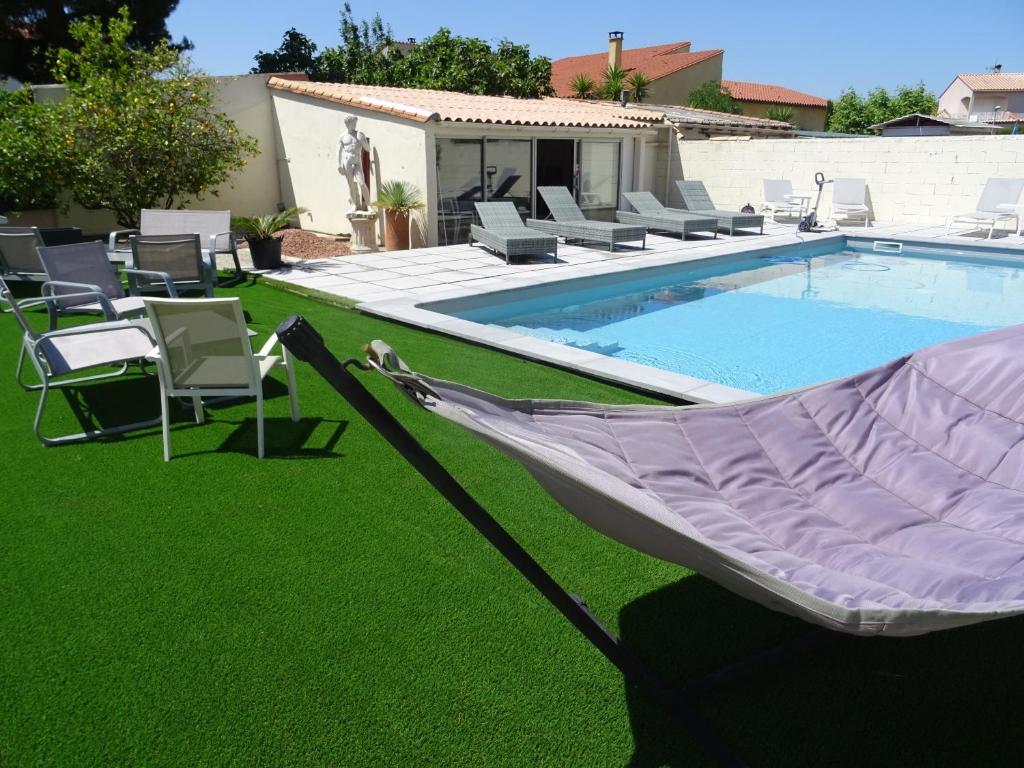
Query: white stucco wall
point(951, 101)
point(909, 179)
point(308, 131)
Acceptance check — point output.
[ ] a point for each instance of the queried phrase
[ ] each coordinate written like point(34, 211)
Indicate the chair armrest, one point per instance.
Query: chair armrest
point(112, 241)
point(83, 289)
point(78, 330)
point(231, 242)
point(133, 274)
point(267, 346)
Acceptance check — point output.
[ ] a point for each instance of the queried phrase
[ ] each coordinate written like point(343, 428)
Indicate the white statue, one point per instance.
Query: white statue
point(351, 145)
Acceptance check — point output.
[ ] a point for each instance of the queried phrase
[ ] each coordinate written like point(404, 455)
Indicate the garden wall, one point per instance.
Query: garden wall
point(918, 180)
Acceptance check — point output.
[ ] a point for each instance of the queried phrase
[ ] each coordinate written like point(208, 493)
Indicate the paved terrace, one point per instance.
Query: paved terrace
point(395, 285)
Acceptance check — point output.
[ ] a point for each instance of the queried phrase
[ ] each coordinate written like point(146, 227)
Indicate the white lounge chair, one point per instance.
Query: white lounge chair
point(213, 228)
point(777, 197)
point(996, 204)
point(203, 349)
point(849, 200)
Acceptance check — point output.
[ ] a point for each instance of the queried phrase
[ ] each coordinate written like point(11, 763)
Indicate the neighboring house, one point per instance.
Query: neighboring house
point(673, 69)
point(987, 97)
point(916, 124)
point(809, 111)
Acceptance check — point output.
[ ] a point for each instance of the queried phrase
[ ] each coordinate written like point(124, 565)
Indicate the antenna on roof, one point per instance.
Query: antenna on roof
point(995, 68)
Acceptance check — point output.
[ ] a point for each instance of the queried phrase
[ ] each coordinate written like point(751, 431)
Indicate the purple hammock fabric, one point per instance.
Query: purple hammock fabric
point(889, 502)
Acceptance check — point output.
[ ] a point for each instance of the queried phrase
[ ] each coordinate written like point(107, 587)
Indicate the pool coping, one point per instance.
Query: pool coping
point(410, 310)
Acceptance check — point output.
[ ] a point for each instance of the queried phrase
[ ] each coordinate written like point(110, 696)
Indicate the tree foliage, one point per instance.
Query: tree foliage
point(780, 113)
point(852, 113)
point(30, 161)
point(369, 55)
point(639, 85)
point(139, 128)
point(297, 53)
point(613, 82)
point(714, 96)
point(31, 32)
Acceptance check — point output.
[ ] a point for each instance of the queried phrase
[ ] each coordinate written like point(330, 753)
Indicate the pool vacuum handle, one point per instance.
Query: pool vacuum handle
point(819, 179)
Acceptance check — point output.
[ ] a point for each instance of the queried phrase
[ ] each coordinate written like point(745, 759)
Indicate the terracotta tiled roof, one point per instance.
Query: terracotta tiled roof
point(1008, 117)
point(655, 61)
point(772, 94)
point(422, 106)
point(691, 116)
point(992, 81)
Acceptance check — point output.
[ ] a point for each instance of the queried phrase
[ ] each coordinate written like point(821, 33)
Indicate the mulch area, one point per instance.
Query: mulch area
point(299, 244)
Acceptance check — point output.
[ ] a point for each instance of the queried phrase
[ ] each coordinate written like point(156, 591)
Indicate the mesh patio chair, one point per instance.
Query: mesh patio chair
point(57, 355)
point(696, 199)
point(18, 257)
point(213, 228)
point(998, 202)
point(504, 232)
point(82, 268)
point(203, 349)
point(570, 223)
point(848, 200)
point(171, 263)
point(652, 214)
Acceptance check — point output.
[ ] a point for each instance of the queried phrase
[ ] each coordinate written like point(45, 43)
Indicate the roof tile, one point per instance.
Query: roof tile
point(993, 81)
point(655, 61)
point(421, 105)
point(772, 94)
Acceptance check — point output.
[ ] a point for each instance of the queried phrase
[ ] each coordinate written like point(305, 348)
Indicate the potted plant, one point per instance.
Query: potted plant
point(264, 248)
point(397, 199)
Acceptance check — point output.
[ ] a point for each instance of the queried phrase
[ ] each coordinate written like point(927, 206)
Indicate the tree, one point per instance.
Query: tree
point(613, 83)
point(139, 127)
point(582, 86)
point(853, 114)
point(640, 85)
point(714, 96)
point(30, 161)
point(297, 53)
point(369, 55)
point(782, 114)
point(32, 32)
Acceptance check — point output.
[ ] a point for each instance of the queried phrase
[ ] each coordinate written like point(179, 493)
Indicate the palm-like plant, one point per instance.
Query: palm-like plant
point(582, 86)
point(640, 85)
point(399, 196)
point(782, 114)
point(613, 83)
point(264, 227)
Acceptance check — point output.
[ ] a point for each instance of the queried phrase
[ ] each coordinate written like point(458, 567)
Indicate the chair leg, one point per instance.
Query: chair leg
point(165, 423)
point(259, 423)
point(197, 407)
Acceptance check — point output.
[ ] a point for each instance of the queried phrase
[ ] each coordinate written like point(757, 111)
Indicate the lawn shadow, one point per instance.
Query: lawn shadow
point(948, 698)
point(284, 438)
point(117, 401)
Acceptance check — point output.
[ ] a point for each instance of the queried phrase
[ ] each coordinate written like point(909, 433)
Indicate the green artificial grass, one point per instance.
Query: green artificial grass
point(324, 606)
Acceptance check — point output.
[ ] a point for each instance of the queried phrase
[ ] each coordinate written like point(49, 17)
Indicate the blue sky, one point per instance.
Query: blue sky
point(818, 47)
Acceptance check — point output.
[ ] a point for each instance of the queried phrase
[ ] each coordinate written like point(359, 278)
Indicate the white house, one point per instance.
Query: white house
point(987, 97)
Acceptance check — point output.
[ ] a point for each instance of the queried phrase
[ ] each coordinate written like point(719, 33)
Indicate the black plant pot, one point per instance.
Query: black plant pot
point(266, 252)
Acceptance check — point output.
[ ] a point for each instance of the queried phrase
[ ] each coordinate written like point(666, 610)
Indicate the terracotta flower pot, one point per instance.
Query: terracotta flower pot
point(265, 253)
point(396, 230)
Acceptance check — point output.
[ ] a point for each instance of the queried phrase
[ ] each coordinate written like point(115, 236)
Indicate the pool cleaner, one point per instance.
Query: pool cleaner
point(810, 223)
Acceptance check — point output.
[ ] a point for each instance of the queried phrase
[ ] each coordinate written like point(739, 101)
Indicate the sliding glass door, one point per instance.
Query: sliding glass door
point(599, 178)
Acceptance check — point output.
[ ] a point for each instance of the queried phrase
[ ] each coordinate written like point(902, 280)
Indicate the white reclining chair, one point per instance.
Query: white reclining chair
point(998, 203)
point(849, 200)
point(203, 349)
point(777, 197)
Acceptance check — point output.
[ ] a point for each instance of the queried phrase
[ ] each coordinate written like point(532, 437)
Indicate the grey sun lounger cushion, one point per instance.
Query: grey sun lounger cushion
point(889, 502)
point(504, 232)
point(696, 198)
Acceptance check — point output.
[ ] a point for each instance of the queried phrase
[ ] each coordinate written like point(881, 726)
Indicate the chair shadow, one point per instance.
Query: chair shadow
point(117, 401)
point(284, 438)
point(947, 698)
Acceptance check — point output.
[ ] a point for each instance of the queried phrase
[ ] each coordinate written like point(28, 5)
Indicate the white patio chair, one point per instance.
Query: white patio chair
point(998, 202)
point(58, 354)
point(777, 197)
point(213, 228)
point(18, 257)
point(849, 198)
point(203, 349)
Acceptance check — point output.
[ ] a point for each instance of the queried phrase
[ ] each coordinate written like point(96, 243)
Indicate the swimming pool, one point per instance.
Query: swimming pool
point(771, 320)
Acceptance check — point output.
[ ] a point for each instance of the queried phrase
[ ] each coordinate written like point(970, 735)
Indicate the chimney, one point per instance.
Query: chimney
point(615, 49)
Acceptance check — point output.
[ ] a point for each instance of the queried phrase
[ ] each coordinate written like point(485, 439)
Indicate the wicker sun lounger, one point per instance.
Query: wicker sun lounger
point(570, 223)
point(697, 200)
point(653, 215)
point(504, 232)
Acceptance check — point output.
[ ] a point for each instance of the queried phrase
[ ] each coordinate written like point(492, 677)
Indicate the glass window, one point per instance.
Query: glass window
point(599, 174)
point(508, 172)
point(459, 185)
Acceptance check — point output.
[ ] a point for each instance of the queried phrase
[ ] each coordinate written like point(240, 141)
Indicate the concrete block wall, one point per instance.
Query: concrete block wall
point(919, 180)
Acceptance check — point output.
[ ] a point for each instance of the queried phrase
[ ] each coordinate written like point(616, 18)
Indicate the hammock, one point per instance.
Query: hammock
point(889, 502)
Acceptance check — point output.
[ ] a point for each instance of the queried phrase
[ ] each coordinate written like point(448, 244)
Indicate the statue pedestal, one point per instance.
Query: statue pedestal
point(364, 231)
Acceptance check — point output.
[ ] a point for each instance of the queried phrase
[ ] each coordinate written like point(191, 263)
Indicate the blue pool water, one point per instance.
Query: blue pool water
point(774, 322)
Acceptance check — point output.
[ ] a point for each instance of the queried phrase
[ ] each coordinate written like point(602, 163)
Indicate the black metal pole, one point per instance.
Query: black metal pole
point(303, 341)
